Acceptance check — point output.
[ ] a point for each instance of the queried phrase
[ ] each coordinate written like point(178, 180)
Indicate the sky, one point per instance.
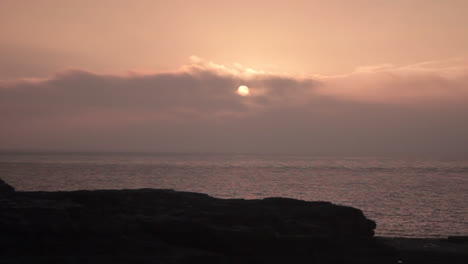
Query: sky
point(363, 77)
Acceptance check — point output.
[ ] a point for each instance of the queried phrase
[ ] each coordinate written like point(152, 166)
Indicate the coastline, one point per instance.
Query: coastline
point(166, 226)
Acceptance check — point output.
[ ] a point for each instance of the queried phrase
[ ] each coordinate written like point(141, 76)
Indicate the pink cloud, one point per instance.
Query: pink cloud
point(382, 109)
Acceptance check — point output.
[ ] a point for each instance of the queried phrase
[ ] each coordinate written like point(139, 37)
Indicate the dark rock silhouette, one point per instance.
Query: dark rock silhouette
point(166, 226)
point(5, 188)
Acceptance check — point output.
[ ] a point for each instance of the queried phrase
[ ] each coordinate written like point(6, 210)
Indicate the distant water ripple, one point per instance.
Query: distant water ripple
point(406, 197)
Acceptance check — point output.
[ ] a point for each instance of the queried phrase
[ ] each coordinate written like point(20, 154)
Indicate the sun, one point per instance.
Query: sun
point(243, 90)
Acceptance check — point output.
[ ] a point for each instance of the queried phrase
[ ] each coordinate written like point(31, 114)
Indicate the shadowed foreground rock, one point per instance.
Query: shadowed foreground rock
point(165, 226)
point(5, 188)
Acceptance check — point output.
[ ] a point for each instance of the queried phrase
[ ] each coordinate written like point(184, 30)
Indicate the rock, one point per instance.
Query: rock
point(171, 226)
point(427, 250)
point(458, 239)
point(5, 188)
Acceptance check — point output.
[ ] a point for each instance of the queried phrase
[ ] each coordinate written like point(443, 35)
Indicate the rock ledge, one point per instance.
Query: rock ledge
point(153, 225)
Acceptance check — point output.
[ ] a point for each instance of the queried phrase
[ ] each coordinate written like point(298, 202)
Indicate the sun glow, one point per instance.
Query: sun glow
point(243, 90)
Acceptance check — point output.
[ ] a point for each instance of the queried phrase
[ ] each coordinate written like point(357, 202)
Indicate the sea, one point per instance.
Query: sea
point(407, 197)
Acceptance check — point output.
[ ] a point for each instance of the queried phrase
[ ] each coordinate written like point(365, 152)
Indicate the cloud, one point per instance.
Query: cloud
point(375, 109)
point(429, 82)
point(201, 88)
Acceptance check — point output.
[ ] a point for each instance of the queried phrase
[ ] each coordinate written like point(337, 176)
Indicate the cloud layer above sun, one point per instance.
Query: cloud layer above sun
point(381, 109)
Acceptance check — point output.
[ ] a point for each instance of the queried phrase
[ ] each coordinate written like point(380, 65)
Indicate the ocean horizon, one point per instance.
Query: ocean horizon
point(407, 197)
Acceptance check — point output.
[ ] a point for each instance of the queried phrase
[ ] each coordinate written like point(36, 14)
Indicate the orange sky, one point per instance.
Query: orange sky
point(358, 77)
point(40, 37)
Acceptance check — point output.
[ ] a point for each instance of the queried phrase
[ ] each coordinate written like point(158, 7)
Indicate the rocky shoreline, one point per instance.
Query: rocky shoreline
point(166, 226)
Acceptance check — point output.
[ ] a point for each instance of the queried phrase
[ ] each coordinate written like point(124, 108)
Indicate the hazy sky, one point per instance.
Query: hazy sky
point(325, 77)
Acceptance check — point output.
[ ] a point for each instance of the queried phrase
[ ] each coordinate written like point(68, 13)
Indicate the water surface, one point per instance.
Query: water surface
point(406, 197)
